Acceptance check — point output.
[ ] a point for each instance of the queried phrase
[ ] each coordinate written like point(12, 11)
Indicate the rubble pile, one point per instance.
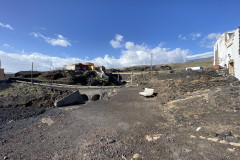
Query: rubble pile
point(187, 84)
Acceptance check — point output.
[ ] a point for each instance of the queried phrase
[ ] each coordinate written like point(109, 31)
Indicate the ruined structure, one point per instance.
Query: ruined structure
point(227, 52)
point(2, 76)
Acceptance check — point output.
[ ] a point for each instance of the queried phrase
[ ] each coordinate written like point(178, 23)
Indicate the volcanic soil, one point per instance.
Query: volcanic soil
point(189, 118)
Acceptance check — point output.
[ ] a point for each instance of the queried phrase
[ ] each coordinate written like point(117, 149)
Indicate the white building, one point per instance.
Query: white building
point(227, 52)
point(72, 67)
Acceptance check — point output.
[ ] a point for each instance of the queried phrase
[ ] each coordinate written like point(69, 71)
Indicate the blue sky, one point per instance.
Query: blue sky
point(114, 33)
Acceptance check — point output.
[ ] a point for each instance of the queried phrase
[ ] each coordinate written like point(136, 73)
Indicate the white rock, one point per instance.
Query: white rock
point(198, 129)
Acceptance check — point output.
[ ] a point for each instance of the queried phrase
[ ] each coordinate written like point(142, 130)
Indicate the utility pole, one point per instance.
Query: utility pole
point(151, 66)
point(51, 66)
point(131, 77)
point(32, 74)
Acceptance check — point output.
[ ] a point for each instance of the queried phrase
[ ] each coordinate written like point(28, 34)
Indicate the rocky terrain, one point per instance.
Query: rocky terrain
point(206, 64)
point(141, 68)
point(85, 78)
point(21, 100)
point(192, 115)
point(176, 86)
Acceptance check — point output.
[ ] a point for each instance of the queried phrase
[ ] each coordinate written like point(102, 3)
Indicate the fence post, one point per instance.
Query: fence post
point(32, 75)
point(131, 77)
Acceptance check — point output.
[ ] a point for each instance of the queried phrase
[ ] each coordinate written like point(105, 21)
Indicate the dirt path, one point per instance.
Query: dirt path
point(125, 127)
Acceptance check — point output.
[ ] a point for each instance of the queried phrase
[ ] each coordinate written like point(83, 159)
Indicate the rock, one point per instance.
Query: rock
point(198, 129)
point(111, 141)
point(5, 157)
point(231, 139)
point(232, 79)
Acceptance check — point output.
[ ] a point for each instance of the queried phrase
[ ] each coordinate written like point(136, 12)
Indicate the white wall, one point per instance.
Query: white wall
point(233, 51)
point(70, 67)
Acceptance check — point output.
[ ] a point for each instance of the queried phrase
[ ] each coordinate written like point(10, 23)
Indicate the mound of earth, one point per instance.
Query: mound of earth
point(177, 86)
point(27, 74)
point(140, 68)
point(70, 77)
point(21, 100)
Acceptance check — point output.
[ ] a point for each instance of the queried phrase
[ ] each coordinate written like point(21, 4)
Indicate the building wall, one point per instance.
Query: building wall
point(70, 67)
point(2, 76)
point(227, 53)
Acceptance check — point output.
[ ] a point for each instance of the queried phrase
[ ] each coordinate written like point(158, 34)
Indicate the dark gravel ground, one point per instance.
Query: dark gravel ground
point(128, 126)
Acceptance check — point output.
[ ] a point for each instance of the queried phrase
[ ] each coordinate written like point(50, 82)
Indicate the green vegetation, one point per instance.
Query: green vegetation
point(102, 79)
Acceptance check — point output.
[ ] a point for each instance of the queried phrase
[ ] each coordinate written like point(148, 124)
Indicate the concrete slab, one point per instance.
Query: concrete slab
point(74, 98)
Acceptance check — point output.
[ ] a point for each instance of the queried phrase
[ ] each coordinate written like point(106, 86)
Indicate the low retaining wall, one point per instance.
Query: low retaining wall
point(82, 96)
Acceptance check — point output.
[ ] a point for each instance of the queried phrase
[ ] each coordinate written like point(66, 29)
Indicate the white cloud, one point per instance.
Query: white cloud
point(212, 36)
point(6, 26)
point(5, 45)
point(192, 36)
point(43, 28)
point(131, 54)
point(116, 43)
point(209, 40)
point(200, 56)
point(180, 36)
point(137, 55)
point(13, 62)
point(59, 41)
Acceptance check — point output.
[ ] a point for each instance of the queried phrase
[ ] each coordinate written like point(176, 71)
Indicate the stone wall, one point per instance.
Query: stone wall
point(2, 76)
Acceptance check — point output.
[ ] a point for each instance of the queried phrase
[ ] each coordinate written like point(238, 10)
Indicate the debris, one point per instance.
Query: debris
point(135, 156)
point(153, 137)
point(111, 141)
point(213, 139)
point(194, 68)
point(192, 136)
point(124, 157)
point(147, 92)
point(48, 121)
point(235, 144)
point(198, 129)
point(231, 139)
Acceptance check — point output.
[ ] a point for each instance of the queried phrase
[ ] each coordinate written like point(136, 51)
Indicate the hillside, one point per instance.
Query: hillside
point(204, 63)
point(207, 64)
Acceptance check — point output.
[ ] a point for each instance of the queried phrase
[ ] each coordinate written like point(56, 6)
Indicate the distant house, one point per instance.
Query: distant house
point(100, 70)
point(227, 52)
point(85, 67)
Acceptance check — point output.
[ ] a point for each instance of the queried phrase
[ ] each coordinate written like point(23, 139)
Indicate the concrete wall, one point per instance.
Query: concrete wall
point(70, 67)
point(74, 98)
point(228, 51)
point(82, 96)
point(2, 76)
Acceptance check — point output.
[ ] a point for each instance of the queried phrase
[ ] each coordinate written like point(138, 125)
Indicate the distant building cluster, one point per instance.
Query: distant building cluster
point(85, 67)
point(100, 70)
point(227, 52)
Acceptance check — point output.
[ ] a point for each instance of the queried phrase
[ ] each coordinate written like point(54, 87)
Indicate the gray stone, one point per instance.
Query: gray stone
point(231, 139)
point(111, 141)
